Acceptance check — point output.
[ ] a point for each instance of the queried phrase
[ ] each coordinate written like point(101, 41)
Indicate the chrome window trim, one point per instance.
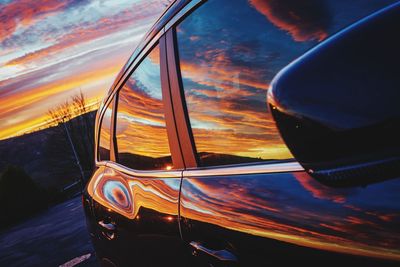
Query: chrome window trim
point(101, 163)
point(191, 5)
point(293, 166)
point(104, 107)
point(215, 171)
point(144, 174)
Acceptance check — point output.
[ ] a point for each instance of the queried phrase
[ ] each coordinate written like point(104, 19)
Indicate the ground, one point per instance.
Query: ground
point(54, 237)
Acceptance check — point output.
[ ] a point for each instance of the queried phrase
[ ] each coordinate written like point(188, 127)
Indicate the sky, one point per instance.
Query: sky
point(52, 49)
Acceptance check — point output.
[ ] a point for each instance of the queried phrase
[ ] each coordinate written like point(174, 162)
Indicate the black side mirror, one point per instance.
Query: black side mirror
point(338, 106)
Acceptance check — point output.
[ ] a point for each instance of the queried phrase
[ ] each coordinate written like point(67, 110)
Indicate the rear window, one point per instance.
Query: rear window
point(141, 132)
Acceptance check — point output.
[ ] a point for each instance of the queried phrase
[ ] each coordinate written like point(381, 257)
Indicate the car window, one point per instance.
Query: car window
point(141, 133)
point(229, 51)
point(104, 138)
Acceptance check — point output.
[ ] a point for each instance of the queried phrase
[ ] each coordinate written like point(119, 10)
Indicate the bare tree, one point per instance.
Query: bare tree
point(78, 125)
point(60, 113)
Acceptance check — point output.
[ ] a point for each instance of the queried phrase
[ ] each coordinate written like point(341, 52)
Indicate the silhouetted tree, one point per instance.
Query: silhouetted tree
point(77, 123)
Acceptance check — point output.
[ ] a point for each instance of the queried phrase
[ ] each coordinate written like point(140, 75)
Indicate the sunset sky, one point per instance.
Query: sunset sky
point(49, 50)
point(52, 49)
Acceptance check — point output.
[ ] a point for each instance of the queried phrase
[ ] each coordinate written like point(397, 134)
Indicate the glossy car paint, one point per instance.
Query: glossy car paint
point(271, 218)
point(249, 215)
point(144, 213)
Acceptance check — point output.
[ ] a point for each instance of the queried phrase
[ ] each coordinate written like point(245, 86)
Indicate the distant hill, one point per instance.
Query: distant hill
point(46, 155)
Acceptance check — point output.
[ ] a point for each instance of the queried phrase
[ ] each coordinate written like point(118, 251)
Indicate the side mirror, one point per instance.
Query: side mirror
point(338, 106)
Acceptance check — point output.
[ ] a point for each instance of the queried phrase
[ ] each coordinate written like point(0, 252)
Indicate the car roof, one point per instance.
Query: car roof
point(172, 9)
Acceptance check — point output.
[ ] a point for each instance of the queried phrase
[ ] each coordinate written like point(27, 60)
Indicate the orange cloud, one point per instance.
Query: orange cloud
point(141, 130)
point(25, 110)
point(146, 107)
point(23, 99)
point(142, 139)
point(319, 190)
point(92, 31)
point(105, 133)
point(26, 98)
point(305, 21)
point(236, 117)
point(250, 206)
point(25, 12)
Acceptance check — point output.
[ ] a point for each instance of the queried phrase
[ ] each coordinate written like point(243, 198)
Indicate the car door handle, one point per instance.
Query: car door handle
point(222, 255)
point(108, 229)
point(108, 226)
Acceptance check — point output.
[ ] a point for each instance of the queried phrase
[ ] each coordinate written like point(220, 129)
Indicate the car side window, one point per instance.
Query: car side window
point(225, 74)
point(105, 136)
point(141, 133)
point(229, 51)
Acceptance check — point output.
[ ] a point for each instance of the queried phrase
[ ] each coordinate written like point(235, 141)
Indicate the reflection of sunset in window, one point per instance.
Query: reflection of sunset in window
point(225, 79)
point(140, 129)
point(228, 60)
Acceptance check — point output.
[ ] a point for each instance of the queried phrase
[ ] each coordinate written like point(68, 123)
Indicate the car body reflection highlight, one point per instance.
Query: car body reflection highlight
point(126, 195)
point(296, 209)
point(117, 194)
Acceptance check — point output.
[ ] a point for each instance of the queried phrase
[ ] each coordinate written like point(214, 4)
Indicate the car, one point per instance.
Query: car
point(253, 133)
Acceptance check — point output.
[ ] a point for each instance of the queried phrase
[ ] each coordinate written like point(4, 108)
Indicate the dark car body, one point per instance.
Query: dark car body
point(191, 169)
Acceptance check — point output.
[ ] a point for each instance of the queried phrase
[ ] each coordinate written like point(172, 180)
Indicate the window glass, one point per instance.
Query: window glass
point(140, 130)
point(229, 52)
point(104, 143)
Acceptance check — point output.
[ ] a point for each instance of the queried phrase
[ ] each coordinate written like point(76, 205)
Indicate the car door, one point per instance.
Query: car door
point(136, 197)
point(244, 199)
point(271, 218)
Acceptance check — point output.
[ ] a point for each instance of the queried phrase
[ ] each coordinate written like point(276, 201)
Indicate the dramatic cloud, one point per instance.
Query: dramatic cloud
point(135, 15)
point(26, 12)
point(49, 50)
point(321, 191)
point(304, 20)
point(140, 116)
